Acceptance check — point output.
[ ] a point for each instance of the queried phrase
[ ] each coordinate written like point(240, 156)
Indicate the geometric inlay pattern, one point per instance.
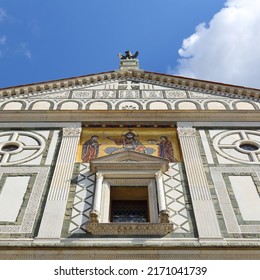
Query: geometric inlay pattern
point(229, 215)
point(29, 217)
point(83, 200)
point(84, 195)
point(19, 146)
point(241, 146)
point(175, 199)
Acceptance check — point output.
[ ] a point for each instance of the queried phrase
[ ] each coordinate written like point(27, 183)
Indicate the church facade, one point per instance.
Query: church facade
point(129, 164)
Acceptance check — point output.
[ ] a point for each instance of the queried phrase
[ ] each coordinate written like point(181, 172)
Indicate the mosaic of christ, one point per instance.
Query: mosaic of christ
point(98, 142)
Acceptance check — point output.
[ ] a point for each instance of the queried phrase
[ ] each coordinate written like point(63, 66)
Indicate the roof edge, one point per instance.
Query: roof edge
point(164, 79)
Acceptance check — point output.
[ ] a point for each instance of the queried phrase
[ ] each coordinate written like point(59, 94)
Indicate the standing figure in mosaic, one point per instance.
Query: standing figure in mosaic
point(165, 149)
point(129, 142)
point(90, 149)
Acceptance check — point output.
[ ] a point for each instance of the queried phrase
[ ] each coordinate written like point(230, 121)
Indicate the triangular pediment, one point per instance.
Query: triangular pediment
point(129, 160)
point(129, 156)
point(126, 80)
point(129, 90)
point(126, 89)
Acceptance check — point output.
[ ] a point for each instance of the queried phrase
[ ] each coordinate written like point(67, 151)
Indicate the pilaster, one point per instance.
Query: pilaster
point(205, 215)
point(54, 211)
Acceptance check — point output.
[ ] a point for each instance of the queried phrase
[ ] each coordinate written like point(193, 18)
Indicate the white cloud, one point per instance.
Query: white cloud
point(227, 49)
point(24, 50)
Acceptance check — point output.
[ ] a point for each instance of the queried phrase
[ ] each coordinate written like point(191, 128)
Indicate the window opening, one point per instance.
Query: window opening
point(129, 204)
point(126, 211)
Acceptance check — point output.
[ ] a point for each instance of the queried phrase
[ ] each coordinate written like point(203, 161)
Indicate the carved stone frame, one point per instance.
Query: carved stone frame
point(129, 167)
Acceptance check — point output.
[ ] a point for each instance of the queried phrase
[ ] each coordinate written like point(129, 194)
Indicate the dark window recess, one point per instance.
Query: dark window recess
point(248, 147)
point(9, 148)
point(129, 212)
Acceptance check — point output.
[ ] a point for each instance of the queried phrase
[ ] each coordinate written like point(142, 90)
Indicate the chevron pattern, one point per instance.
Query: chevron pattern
point(83, 200)
point(175, 199)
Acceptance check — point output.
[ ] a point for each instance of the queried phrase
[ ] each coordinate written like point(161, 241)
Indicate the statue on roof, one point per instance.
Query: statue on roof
point(128, 55)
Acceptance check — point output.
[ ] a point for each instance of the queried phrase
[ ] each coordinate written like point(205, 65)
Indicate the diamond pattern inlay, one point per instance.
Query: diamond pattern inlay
point(83, 200)
point(175, 199)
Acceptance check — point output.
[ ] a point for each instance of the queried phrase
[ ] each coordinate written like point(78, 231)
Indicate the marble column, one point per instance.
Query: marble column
point(160, 191)
point(163, 213)
point(53, 215)
point(205, 215)
point(98, 192)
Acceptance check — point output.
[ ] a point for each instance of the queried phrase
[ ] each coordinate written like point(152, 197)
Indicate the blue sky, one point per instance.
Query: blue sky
point(48, 40)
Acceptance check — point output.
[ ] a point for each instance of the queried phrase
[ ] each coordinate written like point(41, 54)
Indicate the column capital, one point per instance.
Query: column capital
point(158, 174)
point(99, 175)
point(186, 131)
point(71, 131)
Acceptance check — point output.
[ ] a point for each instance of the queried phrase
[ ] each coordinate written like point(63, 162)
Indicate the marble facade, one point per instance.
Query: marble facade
point(202, 201)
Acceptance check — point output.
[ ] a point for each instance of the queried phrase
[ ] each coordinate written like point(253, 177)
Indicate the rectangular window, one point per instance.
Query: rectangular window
point(129, 205)
point(127, 211)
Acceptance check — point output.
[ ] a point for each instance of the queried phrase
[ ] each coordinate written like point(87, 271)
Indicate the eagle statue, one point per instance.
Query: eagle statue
point(128, 55)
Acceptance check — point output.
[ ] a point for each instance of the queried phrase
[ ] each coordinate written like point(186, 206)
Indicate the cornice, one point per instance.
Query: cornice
point(136, 251)
point(139, 75)
point(121, 117)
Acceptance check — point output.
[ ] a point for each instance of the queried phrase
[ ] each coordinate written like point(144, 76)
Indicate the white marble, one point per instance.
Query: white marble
point(54, 211)
point(203, 207)
point(247, 197)
point(11, 197)
point(70, 105)
point(13, 106)
point(206, 147)
point(160, 191)
point(105, 208)
point(224, 200)
point(98, 192)
point(223, 160)
point(52, 147)
point(27, 223)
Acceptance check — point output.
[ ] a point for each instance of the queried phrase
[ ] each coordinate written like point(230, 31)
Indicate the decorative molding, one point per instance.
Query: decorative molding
point(94, 217)
point(113, 103)
point(186, 131)
point(158, 174)
point(71, 132)
point(129, 181)
point(130, 228)
point(34, 200)
point(136, 116)
point(134, 75)
point(105, 94)
point(152, 94)
point(176, 94)
point(78, 94)
point(230, 219)
point(100, 175)
point(137, 251)
point(164, 217)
